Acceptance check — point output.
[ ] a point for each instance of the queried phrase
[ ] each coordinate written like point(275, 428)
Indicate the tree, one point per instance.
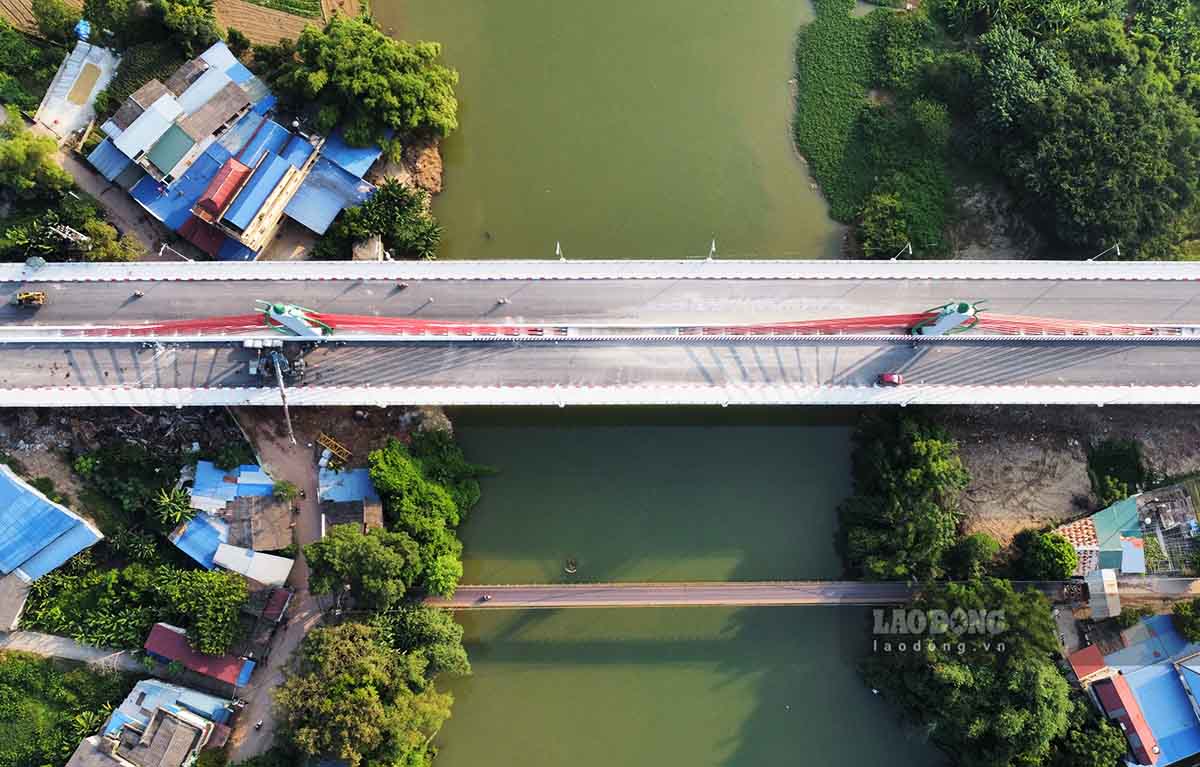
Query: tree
point(904, 512)
point(209, 600)
point(27, 165)
point(172, 507)
point(55, 19)
point(1114, 160)
point(986, 706)
point(881, 229)
point(105, 245)
point(1089, 741)
point(351, 699)
point(1186, 617)
point(379, 565)
point(353, 74)
point(238, 43)
point(192, 21)
point(396, 213)
point(1018, 74)
point(415, 628)
point(972, 556)
point(1130, 616)
point(1044, 556)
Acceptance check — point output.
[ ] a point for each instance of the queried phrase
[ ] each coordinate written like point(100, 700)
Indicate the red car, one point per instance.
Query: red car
point(890, 379)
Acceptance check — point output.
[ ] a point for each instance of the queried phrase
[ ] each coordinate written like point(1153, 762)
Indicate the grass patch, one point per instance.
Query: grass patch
point(308, 8)
point(47, 706)
point(833, 72)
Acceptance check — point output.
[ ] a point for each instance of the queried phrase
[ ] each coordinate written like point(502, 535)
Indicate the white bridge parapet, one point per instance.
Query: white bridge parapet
point(562, 396)
point(698, 269)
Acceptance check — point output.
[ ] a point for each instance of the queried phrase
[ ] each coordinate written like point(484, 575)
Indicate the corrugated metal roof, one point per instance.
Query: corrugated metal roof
point(219, 56)
point(1120, 704)
point(29, 523)
point(297, 151)
point(214, 114)
point(222, 188)
point(129, 111)
point(170, 149)
point(203, 235)
point(343, 486)
point(1167, 711)
point(148, 128)
point(204, 88)
point(264, 568)
point(173, 206)
point(186, 75)
point(233, 250)
point(269, 138)
point(324, 193)
point(200, 536)
point(354, 160)
point(238, 73)
point(108, 160)
point(170, 642)
point(149, 93)
point(256, 191)
point(62, 548)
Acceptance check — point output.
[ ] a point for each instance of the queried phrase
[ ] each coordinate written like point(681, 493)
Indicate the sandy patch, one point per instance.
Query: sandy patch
point(82, 87)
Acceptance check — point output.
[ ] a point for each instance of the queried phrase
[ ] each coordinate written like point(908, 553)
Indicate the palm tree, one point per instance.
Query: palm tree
point(173, 506)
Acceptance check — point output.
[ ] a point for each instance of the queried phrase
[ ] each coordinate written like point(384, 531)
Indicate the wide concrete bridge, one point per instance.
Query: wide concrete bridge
point(624, 332)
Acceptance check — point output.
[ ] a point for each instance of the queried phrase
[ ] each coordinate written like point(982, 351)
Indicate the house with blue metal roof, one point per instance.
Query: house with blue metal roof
point(202, 155)
point(157, 725)
point(37, 535)
point(1153, 684)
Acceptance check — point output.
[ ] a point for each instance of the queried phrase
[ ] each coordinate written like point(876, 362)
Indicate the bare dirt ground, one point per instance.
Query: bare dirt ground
point(261, 25)
point(1029, 464)
point(292, 242)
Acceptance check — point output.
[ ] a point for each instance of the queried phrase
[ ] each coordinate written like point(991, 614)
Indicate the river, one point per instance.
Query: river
point(623, 129)
point(648, 494)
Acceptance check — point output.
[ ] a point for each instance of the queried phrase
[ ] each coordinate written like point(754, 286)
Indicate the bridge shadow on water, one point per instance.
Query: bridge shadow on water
point(651, 494)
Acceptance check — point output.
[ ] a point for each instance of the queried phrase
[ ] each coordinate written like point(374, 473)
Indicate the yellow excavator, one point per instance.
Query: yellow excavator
point(31, 298)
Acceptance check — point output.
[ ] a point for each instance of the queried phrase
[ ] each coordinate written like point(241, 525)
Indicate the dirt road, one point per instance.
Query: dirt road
point(282, 460)
point(51, 646)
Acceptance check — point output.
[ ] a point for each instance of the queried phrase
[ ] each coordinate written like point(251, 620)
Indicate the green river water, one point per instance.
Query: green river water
point(625, 129)
point(654, 495)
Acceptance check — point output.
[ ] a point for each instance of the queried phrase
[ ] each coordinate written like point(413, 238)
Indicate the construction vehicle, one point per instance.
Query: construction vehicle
point(954, 317)
point(30, 298)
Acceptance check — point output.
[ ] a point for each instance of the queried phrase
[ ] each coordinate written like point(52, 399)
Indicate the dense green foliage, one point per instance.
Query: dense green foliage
point(415, 628)
point(1089, 741)
point(426, 492)
point(26, 67)
point(1044, 556)
point(116, 608)
point(972, 557)
point(903, 516)
point(379, 565)
point(48, 706)
point(986, 706)
point(1087, 109)
point(192, 22)
point(28, 169)
point(397, 214)
point(134, 479)
point(355, 698)
point(55, 20)
point(351, 74)
point(1117, 469)
point(1186, 616)
point(1129, 616)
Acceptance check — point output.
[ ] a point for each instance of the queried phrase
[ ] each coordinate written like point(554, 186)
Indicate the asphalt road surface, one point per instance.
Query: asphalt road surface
point(643, 301)
point(705, 363)
point(777, 593)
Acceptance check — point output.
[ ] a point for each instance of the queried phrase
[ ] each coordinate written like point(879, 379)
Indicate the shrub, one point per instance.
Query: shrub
point(881, 229)
point(238, 43)
point(1044, 556)
point(55, 19)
